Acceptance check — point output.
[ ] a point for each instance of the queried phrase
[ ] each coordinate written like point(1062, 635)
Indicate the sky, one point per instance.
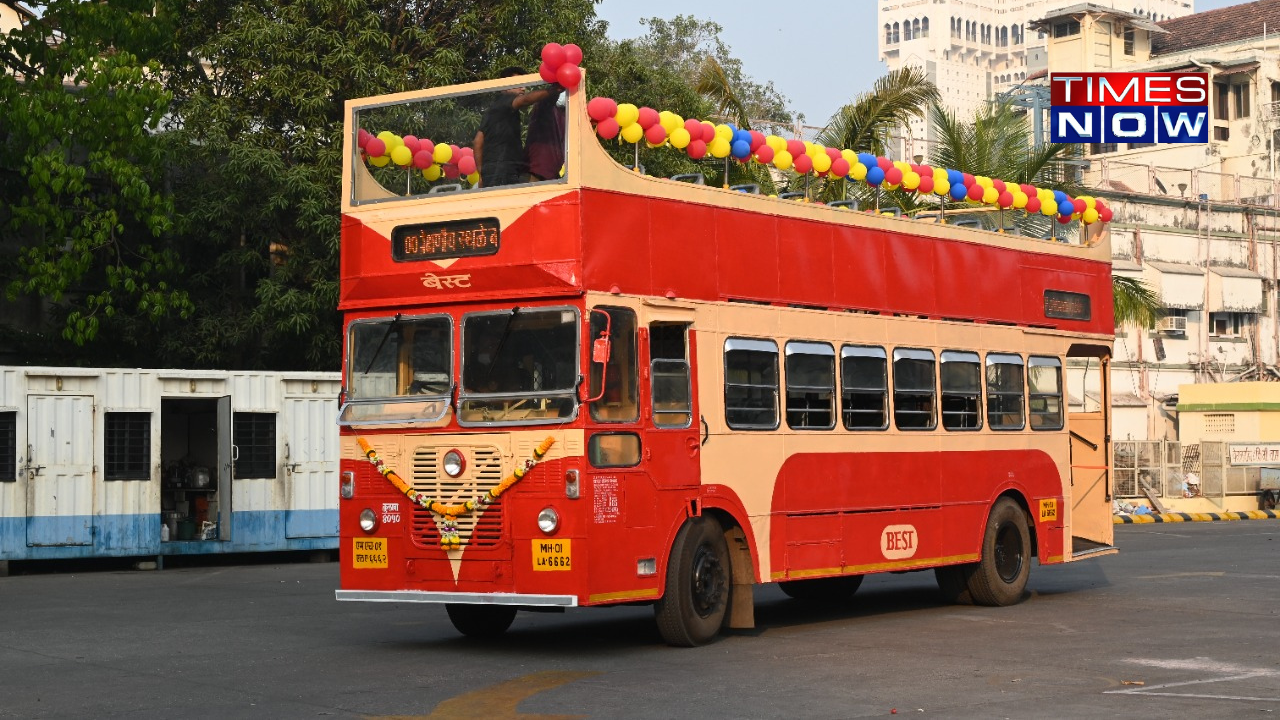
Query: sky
point(816, 70)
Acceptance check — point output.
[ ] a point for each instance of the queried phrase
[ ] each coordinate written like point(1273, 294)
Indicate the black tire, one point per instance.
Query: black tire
point(1000, 577)
point(481, 621)
point(695, 605)
point(953, 581)
point(823, 590)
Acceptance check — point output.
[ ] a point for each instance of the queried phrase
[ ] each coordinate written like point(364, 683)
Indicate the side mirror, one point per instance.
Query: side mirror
point(600, 348)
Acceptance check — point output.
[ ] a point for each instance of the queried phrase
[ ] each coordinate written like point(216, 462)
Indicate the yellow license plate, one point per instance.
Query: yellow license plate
point(369, 553)
point(552, 555)
point(1048, 510)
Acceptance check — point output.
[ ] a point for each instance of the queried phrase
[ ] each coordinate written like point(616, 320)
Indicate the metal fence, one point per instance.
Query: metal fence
point(1174, 182)
point(1169, 469)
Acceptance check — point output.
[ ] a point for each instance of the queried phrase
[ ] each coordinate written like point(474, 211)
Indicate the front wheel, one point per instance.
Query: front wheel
point(481, 621)
point(1000, 577)
point(694, 606)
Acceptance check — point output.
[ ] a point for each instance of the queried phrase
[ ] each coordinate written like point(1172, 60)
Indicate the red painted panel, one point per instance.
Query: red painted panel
point(748, 254)
point(616, 230)
point(976, 282)
point(807, 277)
point(858, 266)
point(910, 274)
point(684, 250)
point(905, 536)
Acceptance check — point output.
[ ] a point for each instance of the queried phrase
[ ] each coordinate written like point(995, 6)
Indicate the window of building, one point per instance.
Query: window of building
point(1044, 383)
point(1099, 148)
point(619, 401)
point(1219, 423)
point(254, 435)
point(1221, 101)
point(914, 390)
point(1275, 91)
point(924, 27)
point(751, 384)
point(1004, 392)
point(127, 451)
point(895, 32)
point(1221, 133)
point(864, 387)
point(906, 30)
point(1066, 29)
point(811, 386)
point(670, 377)
point(1226, 324)
point(1240, 92)
point(888, 33)
point(961, 390)
point(1128, 41)
point(8, 446)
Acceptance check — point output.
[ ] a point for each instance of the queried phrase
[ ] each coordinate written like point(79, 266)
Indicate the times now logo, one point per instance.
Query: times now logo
point(1129, 107)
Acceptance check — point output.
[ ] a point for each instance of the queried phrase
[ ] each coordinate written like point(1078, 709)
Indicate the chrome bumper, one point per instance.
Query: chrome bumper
point(418, 596)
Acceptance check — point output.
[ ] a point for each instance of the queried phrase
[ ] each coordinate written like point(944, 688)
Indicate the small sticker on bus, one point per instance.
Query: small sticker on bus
point(899, 541)
point(369, 553)
point(553, 555)
point(1049, 510)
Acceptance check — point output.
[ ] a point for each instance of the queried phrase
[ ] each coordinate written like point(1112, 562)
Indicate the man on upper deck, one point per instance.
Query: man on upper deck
point(498, 145)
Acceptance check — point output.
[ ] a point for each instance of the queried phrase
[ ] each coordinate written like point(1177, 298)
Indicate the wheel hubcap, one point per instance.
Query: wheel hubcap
point(708, 581)
point(1008, 552)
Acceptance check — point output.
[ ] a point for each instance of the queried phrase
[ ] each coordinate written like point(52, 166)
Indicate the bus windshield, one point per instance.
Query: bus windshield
point(519, 365)
point(399, 369)
point(459, 143)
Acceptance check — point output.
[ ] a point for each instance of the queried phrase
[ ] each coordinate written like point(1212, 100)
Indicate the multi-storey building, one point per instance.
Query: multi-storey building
point(975, 49)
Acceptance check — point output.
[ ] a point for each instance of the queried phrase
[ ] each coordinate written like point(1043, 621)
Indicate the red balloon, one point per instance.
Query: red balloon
point(708, 132)
point(839, 167)
point(968, 179)
point(655, 135)
point(802, 163)
point(553, 55)
point(602, 107)
point(572, 54)
point(1104, 214)
point(893, 176)
point(696, 149)
point(569, 76)
point(411, 142)
point(375, 147)
point(757, 140)
point(607, 128)
point(547, 72)
point(998, 185)
point(1028, 190)
point(884, 163)
point(466, 152)
point(422, 160)
point(362, 137)
point(426, 146)
point(1064, 219)
point(834, 154)
point(467, 165)
point(764, 154)
point(796, 148)
point(1079, 205)
point(451, 171)
point(648, 117)
point(1033, 204)
point(975, 192)
point(694, 128)
point(926, 183)
point(1005, 199)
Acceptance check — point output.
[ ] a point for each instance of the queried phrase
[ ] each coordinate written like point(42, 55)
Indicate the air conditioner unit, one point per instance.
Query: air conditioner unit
point(1173, 324)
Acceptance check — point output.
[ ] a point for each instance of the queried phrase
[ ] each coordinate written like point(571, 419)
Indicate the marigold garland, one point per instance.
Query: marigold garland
point(449, 536)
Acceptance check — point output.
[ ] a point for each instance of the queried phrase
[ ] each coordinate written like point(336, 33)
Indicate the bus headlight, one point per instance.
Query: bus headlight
point(368, 521)
point(548, 520)
point(454, 463)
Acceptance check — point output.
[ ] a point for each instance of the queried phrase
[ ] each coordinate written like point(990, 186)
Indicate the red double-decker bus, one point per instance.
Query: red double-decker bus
point(612, 388)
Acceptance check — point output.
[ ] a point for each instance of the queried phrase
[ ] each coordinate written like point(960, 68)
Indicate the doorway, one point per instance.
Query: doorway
point(195, 462)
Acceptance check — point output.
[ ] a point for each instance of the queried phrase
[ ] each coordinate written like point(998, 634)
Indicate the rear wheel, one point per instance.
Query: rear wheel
point(953, 581)
point(694, 606)
point(832, 589)
point(1000, 577)
point(481, 621)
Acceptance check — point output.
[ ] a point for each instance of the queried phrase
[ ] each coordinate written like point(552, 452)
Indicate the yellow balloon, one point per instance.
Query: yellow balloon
point(1049, 207)
point(821, 162)
point(940, 174)
point(680, 138)
point(386, 137)
point(719, 147)
point(849, 156)
point(401, 155)
point(1090, 216)
point(858, 171)
point(904, 167)
point(633, 132)
point(813, 150)
point(432, 173)
point(627, 115)
point(776, 143)
point(1019, 199)
point(890, 186)
point(473, 178)
point(910, 180)
point(782, 160)
point(1090, 203)
point(723, 132)
point(983, 181)
point(379, 161)
point(990, 195)
point(668, 120)
point(442, 154)
point(941, 187)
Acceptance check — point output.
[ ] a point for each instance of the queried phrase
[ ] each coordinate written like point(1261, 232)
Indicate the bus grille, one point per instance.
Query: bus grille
point(484, 471)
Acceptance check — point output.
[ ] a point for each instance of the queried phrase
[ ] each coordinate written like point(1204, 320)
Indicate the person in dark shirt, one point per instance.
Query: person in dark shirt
point(546, 138)
point(498, 146)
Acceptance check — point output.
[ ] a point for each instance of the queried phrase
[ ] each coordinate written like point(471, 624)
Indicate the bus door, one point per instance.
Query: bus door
point(1090, 522)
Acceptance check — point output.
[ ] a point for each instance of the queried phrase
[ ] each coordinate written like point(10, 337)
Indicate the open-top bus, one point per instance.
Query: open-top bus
point(612, 388)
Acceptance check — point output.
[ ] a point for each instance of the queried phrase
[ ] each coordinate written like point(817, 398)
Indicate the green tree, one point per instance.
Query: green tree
point(995, 144)
point(1135, 303)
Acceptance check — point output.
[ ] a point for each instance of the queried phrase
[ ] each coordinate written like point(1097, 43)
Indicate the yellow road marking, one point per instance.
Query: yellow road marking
point(499, 702)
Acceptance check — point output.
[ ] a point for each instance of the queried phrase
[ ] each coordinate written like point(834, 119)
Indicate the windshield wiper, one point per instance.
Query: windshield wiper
point(395, 322)
point(497, 348)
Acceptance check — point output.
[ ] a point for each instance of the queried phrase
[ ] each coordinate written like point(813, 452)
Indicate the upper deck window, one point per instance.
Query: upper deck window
point(864, 380)
point(458, 143)
point(914, 389)
point(961, 390)
point(1004, 391)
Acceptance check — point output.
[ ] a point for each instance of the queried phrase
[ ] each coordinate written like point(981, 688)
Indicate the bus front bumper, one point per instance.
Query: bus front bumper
point(464, 598)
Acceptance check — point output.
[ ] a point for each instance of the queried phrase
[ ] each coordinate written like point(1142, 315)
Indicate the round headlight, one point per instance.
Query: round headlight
point(548, 520)
point(368, 521)
point(454, 463)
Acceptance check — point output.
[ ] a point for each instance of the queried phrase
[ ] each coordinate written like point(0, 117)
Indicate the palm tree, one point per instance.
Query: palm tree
point(995, 144)
point(1135, 303)
point(864, 125)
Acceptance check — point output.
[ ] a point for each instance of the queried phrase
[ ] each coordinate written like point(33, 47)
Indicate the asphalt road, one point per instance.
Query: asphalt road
point(1184, 622)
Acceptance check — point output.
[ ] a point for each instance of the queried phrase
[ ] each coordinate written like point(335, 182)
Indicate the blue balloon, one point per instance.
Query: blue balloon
point(740, 149)
point(1060, 197)
point(867, 159)
point(742, 135)
point(958, 190)
point(955, 177)
point(875, 175)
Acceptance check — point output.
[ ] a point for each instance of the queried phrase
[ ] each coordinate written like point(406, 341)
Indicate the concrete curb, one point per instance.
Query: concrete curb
point(1195, 517)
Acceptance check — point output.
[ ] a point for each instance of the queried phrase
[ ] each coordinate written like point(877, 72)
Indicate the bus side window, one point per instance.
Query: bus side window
point(670, 377)
point(1044, 377)
point(914, 389)
point(620, 402)
point(751, 384)
point(1004, 392)
point(961, 390)
point(811, 386)
point(864, 387)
